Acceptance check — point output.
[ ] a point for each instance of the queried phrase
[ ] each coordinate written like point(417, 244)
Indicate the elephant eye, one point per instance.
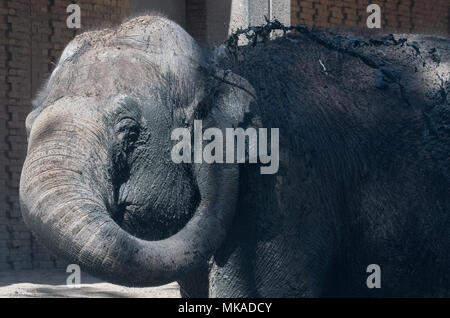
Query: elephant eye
point(127, 129)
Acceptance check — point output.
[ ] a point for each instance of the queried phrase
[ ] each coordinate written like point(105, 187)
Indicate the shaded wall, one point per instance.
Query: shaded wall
point(217, 20)
point(196, 19)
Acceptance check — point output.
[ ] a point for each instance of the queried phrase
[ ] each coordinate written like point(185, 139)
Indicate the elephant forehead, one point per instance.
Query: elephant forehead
point(81, 44)
point(134, 59)
point(103, 72)
point(155, 34)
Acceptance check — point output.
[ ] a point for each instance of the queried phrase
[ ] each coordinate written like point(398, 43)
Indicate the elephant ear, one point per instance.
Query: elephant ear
point(233, 97)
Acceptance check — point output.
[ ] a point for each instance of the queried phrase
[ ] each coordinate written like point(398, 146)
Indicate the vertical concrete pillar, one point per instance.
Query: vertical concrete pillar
point(226, 16)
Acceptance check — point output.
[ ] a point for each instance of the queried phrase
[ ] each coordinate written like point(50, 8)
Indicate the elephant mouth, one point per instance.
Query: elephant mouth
point(156, 214)
point(121, 213)
point(147, 224)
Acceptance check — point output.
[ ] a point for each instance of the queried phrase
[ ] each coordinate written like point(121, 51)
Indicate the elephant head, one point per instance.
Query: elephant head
point(98, 185)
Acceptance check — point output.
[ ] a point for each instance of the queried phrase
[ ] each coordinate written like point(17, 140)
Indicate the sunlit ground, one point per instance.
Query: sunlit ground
point(52, 283)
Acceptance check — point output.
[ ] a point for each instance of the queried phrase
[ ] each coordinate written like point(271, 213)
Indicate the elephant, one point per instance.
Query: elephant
point(363, 179)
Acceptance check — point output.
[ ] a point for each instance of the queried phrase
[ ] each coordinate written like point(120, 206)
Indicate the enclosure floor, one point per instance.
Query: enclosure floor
point(52, 283)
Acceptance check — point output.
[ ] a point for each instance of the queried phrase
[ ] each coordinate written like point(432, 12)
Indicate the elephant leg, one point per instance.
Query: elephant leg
point(296, 257)
point(231, 275)
point(195, 284)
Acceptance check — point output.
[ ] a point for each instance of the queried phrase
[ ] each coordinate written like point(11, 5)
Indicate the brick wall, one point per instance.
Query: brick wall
point(409, 16)
point(4, 236)
point(33, 34)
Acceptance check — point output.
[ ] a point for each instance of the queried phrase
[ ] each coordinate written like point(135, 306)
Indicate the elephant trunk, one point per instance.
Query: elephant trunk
point(65, 200)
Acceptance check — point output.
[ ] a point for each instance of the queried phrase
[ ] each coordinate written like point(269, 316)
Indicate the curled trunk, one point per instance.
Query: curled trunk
point(65, 200)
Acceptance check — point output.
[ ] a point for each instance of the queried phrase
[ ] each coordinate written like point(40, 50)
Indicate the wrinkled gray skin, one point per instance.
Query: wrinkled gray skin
point(363, 178)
